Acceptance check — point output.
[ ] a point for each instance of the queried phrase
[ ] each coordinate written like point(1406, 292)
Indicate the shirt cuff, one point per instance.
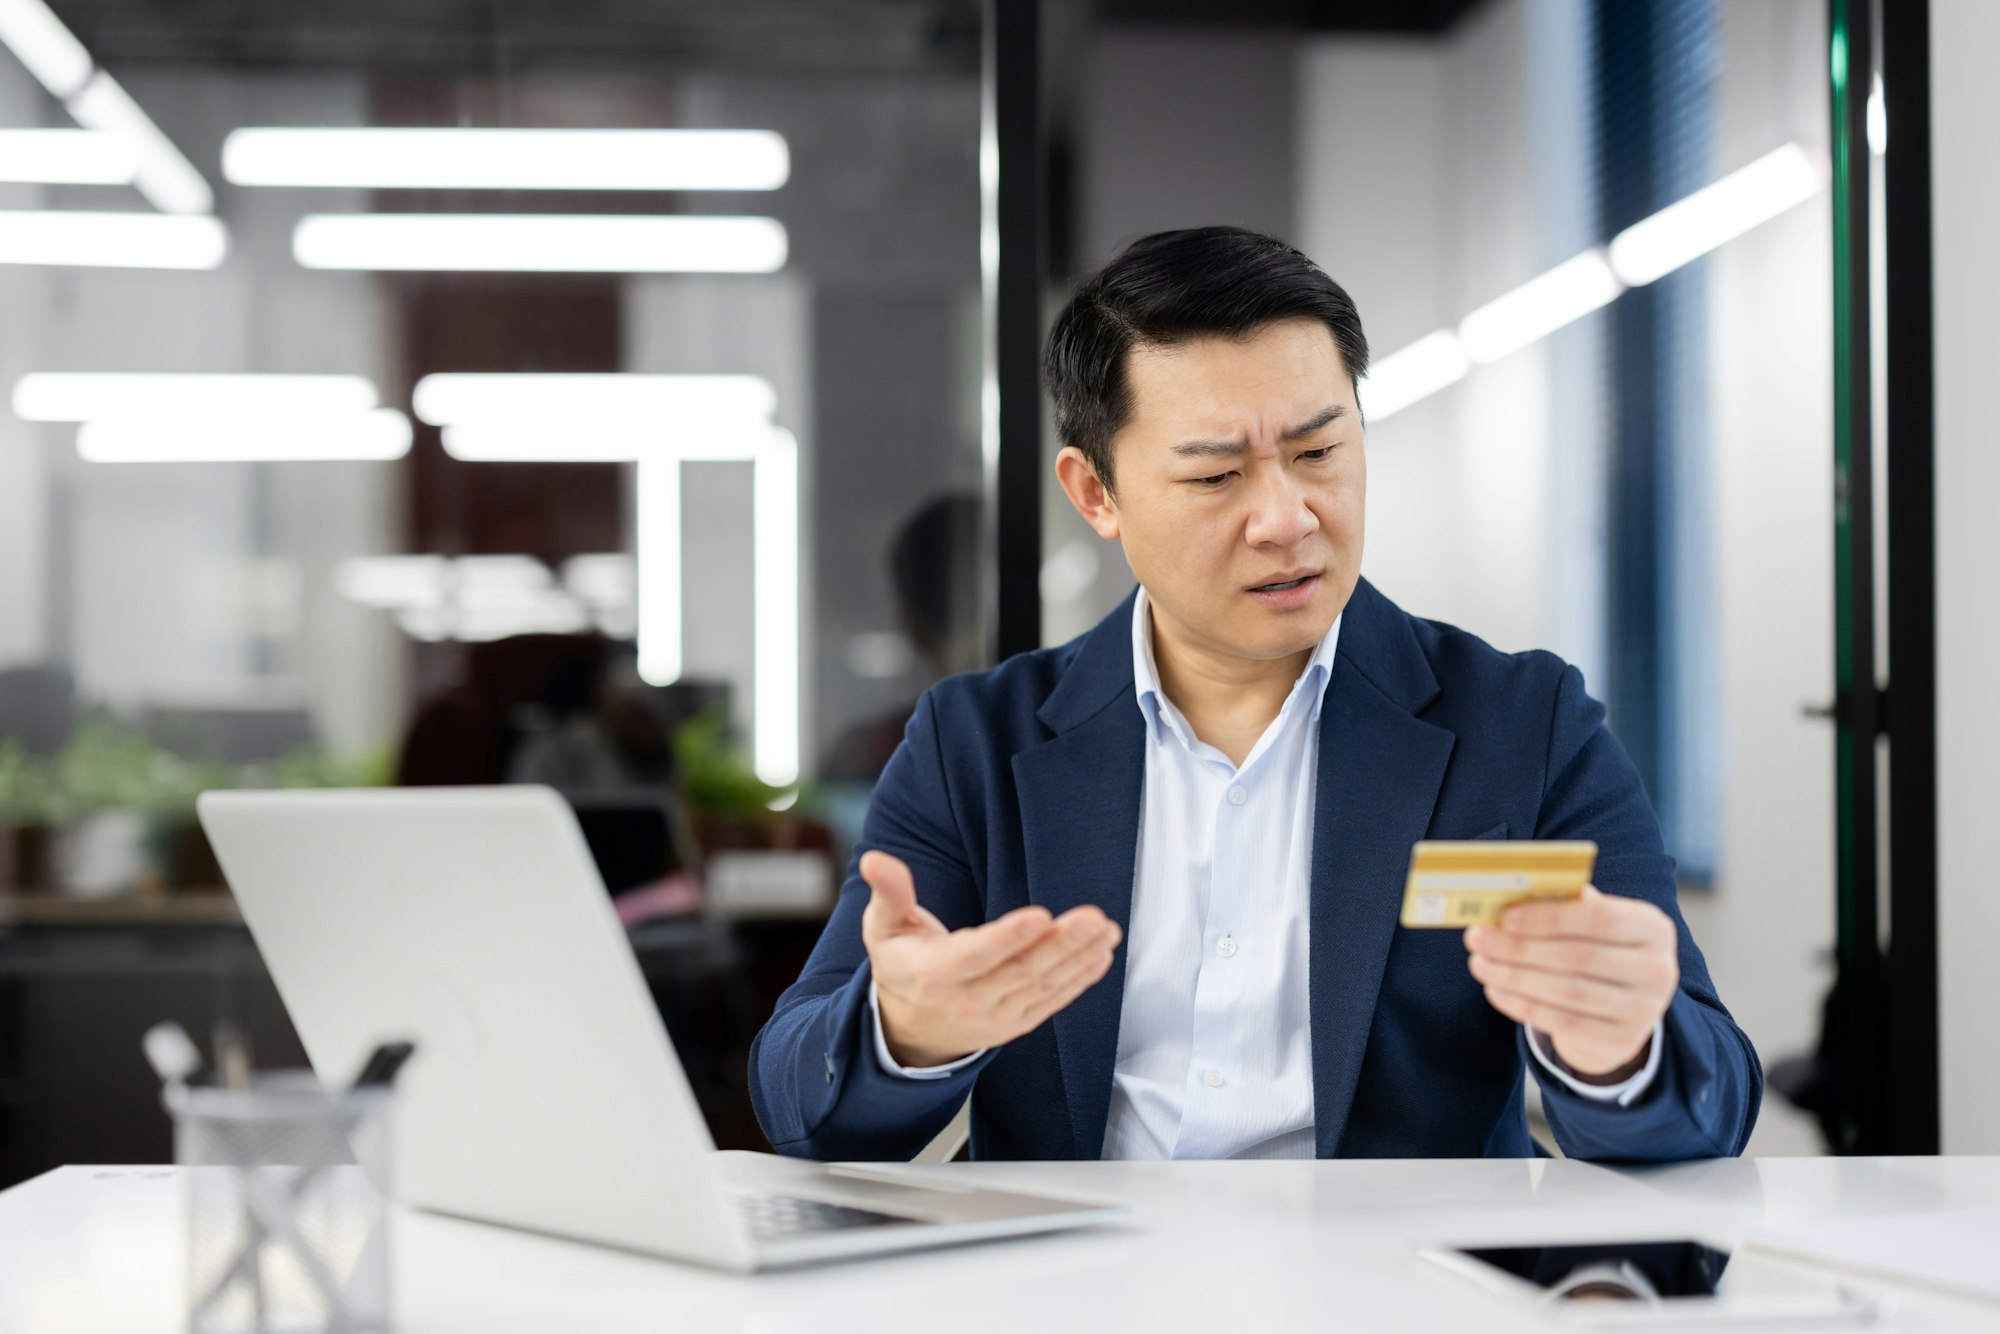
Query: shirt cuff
point(1624, 1094)
point(889, 1063)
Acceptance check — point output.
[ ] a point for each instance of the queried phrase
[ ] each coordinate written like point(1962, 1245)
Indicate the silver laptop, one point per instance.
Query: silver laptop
point(545, 1093)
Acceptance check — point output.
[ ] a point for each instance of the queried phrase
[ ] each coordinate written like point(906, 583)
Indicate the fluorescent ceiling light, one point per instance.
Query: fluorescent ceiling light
point(81, 396)
point(774, 535)
point(774, 458)
point(111, 240)
point(654, 402)
point(1539, 307)
point(539, 243)
point(1412, 373)
point(167, 180)
point(659, 560)
point(66, 157)
point(1877, 117)
point(1718, 213)
point(381, 434)
point(60, 64)
point(586, 441)
point(388, 159)
point(1640, 254)
point(48, 49)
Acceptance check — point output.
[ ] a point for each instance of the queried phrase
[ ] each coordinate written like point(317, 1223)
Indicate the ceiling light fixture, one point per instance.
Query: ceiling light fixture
point(66, 157)
point(379, 435)
point(654, 403)
point(1714, 215)
point(49, 50)
point(1412, 373)
point(81, 396)
point(510, 159)
point(539, 243)
point(111, 240)
point(166, 178)
point(1538, 307)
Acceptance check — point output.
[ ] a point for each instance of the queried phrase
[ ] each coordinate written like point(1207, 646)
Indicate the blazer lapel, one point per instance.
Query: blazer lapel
point(1079, 794)
point(1380, 768)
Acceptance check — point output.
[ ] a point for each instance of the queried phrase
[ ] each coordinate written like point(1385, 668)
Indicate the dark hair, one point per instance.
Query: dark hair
point(1166, 289)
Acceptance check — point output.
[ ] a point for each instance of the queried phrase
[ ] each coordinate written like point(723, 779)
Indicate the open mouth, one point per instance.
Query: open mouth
point(1283, 585)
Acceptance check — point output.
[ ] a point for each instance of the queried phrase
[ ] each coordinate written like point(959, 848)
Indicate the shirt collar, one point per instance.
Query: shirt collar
point(1160, 712)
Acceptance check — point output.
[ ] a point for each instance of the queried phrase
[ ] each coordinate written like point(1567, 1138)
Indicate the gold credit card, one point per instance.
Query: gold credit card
point(1472, 883)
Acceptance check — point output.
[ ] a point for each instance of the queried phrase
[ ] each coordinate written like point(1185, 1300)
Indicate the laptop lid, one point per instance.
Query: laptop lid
point(545, 1093)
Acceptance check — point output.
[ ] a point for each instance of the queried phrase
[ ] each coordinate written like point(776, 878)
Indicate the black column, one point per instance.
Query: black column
point(1862, 1124)
point(1912, 1037)
point(1017, 217)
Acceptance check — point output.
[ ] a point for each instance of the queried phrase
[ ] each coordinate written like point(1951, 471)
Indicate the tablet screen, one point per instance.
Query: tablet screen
point(1613, 1271)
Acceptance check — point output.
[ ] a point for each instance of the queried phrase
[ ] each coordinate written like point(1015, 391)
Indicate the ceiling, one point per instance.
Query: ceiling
point(794, 37)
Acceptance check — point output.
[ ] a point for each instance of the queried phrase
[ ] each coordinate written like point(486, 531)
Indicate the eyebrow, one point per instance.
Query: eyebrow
point(1211, 449)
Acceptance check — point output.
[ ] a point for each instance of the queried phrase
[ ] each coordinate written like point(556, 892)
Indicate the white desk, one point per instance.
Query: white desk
point(1215, 1247)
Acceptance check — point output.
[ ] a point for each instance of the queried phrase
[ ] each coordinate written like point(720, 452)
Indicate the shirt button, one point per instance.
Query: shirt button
point(1237, 796)
point(1226, 948)
point(1212, 1078)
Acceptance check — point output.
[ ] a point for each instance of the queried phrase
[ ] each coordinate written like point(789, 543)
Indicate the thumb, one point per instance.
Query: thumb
point(892, 906)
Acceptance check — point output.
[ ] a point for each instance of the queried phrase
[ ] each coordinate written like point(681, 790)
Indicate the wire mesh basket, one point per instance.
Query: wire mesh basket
point(288, 1219)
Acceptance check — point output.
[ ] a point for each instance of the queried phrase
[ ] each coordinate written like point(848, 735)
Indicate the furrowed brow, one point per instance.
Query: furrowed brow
point(1324, 417)
point(1210, 449)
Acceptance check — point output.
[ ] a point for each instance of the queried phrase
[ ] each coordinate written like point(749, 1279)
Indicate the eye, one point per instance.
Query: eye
point(1210, 483)
point(1315, 455)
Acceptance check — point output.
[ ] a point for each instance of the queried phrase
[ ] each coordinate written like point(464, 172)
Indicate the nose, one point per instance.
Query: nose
point(1279, 516)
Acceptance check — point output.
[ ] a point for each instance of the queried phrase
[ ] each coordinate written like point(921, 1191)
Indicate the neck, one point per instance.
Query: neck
point(1228, 700)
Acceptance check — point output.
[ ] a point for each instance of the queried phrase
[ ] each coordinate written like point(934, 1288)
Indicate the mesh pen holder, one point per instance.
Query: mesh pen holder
point(288, 1221)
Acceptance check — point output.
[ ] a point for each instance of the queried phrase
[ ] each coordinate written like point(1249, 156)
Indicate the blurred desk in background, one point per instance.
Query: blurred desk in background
point(82, 979)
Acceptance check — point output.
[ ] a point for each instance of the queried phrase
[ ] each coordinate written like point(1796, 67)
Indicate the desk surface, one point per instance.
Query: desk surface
point(1262, 1246)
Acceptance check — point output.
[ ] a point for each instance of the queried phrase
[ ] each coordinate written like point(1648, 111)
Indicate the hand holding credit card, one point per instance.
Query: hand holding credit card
point(1589, 974)
point(1465, 884)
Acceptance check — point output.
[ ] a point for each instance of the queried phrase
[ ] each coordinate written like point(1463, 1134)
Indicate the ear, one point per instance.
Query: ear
point(1087, 492)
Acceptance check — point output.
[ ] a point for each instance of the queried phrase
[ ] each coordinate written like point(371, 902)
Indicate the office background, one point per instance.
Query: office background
point(1648, 490)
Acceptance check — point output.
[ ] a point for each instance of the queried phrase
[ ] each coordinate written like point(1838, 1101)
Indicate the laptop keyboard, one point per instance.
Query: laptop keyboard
point(775, 1217)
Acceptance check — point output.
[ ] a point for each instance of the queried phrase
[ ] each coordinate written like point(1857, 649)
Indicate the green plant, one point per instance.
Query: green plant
point(25, 799)
point(319, 766)
point(716, 778)
point(106, 766)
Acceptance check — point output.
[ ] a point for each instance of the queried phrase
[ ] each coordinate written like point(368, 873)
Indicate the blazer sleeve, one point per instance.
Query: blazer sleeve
point(1703, 1099)
point(819, 1090)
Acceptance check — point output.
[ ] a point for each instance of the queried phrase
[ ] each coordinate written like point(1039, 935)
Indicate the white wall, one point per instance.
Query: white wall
point(1965, 124)
point(23, 487)
point(1434, 175)
point(1768, 924)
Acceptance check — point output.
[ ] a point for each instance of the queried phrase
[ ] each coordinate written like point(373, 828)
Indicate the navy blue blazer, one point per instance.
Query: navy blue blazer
point(1022, 785)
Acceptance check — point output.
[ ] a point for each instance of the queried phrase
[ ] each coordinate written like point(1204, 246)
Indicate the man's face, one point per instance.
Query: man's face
point(1239, 488)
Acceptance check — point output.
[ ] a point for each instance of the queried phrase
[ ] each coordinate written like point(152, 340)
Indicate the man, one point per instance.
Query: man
point(1226, 776)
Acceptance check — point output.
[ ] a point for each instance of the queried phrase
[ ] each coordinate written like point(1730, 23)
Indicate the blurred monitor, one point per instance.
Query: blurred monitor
point(631, 837)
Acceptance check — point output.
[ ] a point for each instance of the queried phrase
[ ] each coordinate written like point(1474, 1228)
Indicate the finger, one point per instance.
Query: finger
point(1594, 915)
point(892, 897)
point(1066, 980)
point(1559, 1022)
point(1088, 975)
point(1070, 937)
point(973, 951)
point(1644, 967)
point(1579, 995)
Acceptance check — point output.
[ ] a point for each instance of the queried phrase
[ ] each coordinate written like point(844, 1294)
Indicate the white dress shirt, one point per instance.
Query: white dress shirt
point(1215, 1026)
